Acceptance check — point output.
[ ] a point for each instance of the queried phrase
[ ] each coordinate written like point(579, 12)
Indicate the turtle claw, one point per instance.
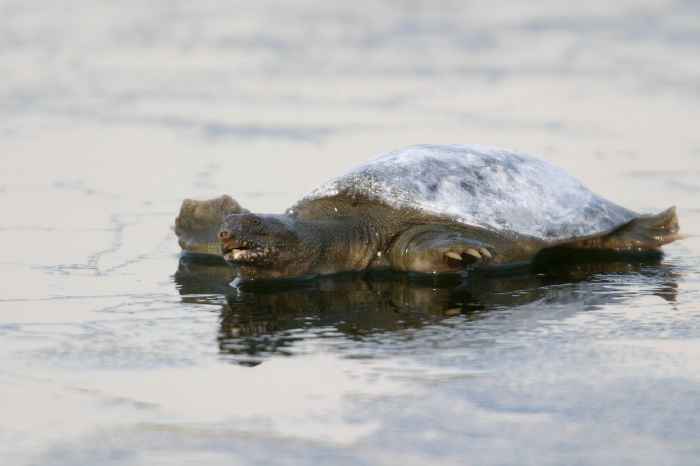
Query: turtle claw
point(470, 254)
point(473, 252)
point(437, 249)
point(453, 255)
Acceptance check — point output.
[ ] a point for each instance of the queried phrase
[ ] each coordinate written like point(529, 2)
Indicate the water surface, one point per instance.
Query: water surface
point(115, 351)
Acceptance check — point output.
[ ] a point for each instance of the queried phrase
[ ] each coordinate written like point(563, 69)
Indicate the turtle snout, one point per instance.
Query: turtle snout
point(231, 227)
point(227, 240)
point(229, 237)
point(229, 234)
point(234, 234)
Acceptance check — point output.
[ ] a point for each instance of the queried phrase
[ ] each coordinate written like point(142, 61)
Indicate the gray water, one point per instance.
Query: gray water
point(113, 351)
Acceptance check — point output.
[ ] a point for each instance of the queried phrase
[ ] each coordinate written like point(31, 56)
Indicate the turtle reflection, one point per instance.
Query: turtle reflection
point(264, 318)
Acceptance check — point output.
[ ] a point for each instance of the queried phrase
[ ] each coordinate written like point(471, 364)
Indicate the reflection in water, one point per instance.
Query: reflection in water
point(272, 317)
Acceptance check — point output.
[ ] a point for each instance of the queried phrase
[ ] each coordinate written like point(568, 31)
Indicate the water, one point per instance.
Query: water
point(112, 351)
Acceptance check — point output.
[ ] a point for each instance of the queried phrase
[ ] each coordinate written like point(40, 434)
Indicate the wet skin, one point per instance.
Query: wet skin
point(366, 236)
point(428, 209)
point(272, 246)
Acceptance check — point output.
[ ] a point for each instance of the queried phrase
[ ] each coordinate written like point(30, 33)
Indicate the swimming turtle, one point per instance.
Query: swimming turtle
point(425, 208)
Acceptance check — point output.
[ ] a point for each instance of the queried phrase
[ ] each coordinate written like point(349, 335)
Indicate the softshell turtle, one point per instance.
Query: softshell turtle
point(426, 208)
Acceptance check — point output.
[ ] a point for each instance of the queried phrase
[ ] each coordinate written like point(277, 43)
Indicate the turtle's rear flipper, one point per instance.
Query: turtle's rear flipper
point(647, 232)
point(198, 225)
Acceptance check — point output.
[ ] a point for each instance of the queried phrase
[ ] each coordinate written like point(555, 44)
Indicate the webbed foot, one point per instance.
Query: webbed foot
point(438, 249)
point(471, 254)
point(198, 225)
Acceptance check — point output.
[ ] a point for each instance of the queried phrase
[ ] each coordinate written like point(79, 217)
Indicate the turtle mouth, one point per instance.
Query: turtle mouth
point(244, 251)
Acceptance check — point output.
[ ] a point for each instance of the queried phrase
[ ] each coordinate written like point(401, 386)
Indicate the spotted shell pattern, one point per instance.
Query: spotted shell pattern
point(499, 190)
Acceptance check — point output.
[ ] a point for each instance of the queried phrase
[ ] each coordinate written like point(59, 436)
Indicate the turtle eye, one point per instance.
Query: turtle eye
point(254, 221)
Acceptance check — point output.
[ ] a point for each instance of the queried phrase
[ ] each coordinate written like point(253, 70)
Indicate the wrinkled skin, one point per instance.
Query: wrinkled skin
point(435, 208)
point(365, 236)
point(263, 246)
point(272, 246)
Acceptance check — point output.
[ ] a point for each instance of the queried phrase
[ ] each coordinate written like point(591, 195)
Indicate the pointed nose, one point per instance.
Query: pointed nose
point(223, 234)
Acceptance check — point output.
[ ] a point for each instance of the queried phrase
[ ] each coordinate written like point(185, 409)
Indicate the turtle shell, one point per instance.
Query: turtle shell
point(495, 189)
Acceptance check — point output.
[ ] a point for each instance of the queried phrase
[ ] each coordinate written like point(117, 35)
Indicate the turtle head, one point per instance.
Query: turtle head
point(260, 246)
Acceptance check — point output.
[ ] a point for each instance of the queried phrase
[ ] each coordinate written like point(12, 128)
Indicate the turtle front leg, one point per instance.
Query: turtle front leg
point(198, 225)
point(439, 249)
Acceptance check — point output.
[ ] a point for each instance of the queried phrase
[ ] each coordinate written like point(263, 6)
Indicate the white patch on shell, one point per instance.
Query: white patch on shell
point(475, 185)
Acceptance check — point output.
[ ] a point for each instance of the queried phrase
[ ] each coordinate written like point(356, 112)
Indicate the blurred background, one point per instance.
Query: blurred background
point(112, 112)
point(268, 99)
